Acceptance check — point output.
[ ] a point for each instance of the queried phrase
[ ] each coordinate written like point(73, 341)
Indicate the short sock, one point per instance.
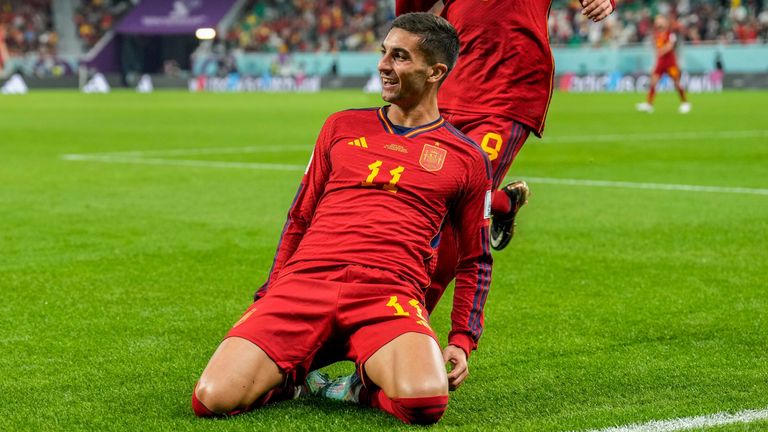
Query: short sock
point(198, 407)
point(277, 394)
point(500, 203)
point(421, 410)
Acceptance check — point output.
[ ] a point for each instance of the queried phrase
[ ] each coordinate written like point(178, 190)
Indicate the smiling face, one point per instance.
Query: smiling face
point(405, 73)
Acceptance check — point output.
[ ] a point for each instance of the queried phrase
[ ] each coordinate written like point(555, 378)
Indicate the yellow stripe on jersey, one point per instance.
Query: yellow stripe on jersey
point(425, 128)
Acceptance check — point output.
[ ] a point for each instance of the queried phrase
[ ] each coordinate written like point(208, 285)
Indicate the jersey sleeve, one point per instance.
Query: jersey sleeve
point(304, 204)
point(405, 6)
point(471, 216)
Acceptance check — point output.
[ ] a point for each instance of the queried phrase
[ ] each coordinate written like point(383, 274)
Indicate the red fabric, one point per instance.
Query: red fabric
point(667, 59)
point(477, 127)
point(667, 65)
point(199, 409)
point(500, 137)
point(613, 5)
point(445, 270)
point(417, 178)
point(307, 310)
point(422, 410)
point(277, 394)
point(406, 6)
point(500, 204)
point(505, 65)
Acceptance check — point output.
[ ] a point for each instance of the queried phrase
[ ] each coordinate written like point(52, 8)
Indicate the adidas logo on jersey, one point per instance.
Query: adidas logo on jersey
point(360, 142)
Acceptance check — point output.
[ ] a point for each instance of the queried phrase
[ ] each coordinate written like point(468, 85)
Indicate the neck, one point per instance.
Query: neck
point(414, 115)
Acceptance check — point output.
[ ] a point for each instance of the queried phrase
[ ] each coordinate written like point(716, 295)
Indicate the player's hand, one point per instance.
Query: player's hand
point(596, 10)
point(459, 368)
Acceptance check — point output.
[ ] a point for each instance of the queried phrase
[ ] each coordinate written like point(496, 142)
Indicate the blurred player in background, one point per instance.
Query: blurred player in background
point(352, 261)
point(666, 63)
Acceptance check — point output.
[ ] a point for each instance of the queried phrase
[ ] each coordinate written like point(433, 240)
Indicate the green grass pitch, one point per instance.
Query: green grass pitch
point(613, 305)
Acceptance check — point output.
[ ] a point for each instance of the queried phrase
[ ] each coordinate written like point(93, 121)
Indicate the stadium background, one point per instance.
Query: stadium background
point(63, 43)
point(134, 227)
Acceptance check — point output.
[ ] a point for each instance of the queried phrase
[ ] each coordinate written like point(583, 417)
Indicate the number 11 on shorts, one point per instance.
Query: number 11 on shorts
point(399, 311)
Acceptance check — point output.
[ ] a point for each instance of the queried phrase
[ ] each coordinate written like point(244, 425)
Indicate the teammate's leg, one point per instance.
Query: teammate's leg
point(685, 106)
point(506, 201)
point(652, 88)
point(239, 377)
point(411, 379)
point(647, 106)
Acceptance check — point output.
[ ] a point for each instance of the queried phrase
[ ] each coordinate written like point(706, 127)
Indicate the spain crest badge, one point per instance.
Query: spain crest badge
point(432, 157)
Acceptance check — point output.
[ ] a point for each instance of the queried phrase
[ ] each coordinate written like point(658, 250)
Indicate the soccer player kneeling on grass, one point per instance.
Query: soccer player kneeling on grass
point(353, 261)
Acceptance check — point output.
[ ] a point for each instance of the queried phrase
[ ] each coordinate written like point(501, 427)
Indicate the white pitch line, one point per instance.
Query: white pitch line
point(185, 162)
point(653, 186)
point(685, 423)
point(665, 136)
point(141, 157)
point(196, 151)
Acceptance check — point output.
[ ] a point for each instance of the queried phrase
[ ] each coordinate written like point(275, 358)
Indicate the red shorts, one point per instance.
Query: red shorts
point(668, 67)
point(346, 312)
point(500, 137)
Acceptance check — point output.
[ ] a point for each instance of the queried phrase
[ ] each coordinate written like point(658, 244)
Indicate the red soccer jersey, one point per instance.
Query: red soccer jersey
point(505, 64)
point(663, 38)
point(376, 197)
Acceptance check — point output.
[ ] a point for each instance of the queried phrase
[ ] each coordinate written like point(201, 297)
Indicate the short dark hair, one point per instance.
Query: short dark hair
point(439, 41)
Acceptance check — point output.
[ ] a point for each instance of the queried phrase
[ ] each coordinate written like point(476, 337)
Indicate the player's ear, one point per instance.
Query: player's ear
point(437, 72)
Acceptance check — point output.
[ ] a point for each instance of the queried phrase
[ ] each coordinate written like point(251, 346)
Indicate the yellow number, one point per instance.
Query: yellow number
point(395, 173)
point(493, 151)
point(420, 319)
point(417, 306)
point(398, 309)
point(374, 167)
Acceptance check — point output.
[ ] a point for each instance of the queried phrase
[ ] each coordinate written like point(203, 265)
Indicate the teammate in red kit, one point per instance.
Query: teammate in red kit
point(339, 282)
point(666, 63)
point(497, 95)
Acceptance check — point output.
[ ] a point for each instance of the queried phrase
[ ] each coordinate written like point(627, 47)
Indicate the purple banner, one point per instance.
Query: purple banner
point(174, 16)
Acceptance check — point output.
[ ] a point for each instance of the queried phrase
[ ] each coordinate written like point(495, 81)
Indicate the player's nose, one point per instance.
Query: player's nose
point(385, 64)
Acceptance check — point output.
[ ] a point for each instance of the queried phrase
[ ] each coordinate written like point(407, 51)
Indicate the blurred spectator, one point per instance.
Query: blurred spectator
point(27, 27)
point(695, 22)
point(283, 26)
point(93, 18)
point(286, 26)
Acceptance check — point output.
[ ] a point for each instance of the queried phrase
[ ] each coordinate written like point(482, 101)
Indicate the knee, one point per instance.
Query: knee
point(210, 400)
point(426, 387)
point(422, 410)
